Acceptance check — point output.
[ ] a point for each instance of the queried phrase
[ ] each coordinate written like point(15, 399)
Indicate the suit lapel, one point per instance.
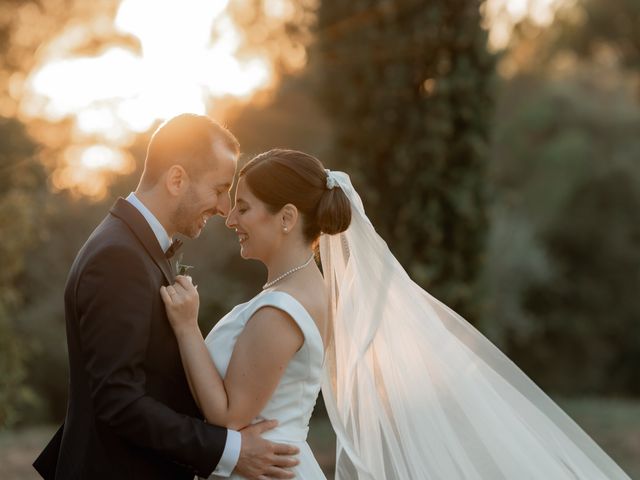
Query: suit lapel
point(141, 229)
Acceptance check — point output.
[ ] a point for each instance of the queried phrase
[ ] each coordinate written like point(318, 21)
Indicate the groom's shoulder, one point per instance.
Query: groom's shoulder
point(111, 230)
point(111, 235)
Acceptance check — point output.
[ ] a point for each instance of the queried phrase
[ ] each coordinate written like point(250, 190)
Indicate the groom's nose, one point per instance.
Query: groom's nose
point(224, 203)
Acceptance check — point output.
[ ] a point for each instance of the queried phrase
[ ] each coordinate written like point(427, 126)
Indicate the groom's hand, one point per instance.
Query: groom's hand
point(261, 459)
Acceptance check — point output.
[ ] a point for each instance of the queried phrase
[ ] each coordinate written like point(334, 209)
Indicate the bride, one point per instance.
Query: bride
point(412, 390)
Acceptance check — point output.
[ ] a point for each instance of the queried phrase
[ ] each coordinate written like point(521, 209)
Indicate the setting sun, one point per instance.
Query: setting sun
point(187, 56)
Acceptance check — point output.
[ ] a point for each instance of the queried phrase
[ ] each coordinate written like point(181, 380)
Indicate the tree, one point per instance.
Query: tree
point(591, 24)
point(561, 247)
point(23, 188)
point(20, 180)
point(588, 312)
point(407, 86)
point(583, 31)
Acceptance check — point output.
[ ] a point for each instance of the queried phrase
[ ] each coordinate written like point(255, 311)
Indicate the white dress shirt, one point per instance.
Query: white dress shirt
point(232, 447)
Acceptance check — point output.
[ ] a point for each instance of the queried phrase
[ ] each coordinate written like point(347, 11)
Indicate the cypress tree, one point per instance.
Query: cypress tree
point(406, 84)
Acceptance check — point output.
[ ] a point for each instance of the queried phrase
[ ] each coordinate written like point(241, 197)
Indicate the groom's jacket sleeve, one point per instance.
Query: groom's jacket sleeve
point(115, 314)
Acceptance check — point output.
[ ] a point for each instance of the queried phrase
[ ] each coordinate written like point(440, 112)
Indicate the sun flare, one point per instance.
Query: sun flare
point(187, 56)
point(501, 16)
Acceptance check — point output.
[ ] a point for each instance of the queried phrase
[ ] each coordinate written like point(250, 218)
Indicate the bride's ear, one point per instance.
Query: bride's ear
point(288, 217)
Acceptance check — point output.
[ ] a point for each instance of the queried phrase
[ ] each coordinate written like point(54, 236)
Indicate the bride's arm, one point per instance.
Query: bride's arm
point(261, 354)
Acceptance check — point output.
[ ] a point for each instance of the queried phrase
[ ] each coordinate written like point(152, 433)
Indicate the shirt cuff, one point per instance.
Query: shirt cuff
point(230, 455)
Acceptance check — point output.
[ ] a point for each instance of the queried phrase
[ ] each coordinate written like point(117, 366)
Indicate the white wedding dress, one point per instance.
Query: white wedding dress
point(295, 396)
point(413, 391)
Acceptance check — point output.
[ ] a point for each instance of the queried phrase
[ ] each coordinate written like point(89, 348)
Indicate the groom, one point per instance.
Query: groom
point(130, 413)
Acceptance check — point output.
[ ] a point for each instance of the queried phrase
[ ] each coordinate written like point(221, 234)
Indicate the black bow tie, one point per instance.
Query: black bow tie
point(175, 246)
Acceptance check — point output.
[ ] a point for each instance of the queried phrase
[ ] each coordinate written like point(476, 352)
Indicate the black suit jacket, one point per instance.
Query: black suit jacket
point(130, 412)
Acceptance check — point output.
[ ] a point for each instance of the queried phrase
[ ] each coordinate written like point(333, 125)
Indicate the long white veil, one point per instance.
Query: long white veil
point(415, 392)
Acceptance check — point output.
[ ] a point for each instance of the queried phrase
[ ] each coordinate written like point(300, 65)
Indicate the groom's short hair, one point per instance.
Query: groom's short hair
point(186, 140)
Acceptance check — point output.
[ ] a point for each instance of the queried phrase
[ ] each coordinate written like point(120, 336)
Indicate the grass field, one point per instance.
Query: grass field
point(614, 424)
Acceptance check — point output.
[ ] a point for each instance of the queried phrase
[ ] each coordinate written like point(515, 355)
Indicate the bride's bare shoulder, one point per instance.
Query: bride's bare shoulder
point(312, 298)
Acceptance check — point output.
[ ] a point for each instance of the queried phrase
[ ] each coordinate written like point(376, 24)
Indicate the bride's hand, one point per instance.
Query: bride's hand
point(182, 302)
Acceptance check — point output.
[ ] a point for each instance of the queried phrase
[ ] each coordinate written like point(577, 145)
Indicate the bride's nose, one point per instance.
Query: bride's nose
point(230, 222)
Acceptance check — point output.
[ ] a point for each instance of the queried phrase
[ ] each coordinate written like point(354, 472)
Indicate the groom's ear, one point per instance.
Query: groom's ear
point(289, 215)
point(176, 179)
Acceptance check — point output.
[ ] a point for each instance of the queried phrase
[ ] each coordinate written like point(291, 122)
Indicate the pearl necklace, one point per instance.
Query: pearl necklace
point(286, 274)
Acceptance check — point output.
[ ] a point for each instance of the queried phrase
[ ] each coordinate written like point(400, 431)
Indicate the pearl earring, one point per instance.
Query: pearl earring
point(285, 229)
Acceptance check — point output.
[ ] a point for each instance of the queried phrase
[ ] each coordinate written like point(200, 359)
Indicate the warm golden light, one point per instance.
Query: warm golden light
point(187, 57)
point(500, 16)
point(87, 170)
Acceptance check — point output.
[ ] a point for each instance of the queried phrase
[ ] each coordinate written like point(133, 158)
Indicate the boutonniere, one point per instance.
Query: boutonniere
point(181, 268)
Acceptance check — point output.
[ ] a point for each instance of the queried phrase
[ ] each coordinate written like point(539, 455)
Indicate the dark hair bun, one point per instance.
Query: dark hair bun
point(334, 212)
point(280, 176)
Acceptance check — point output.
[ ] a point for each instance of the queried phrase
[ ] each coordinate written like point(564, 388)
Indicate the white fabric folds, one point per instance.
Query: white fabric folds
point(415, 392)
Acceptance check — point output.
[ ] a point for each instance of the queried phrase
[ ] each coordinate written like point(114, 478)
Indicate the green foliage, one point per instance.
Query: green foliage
point(588, 309)
point(407, 87)
point(12, 372)
point(20, 177)
point(564, 256)
point(590, 25)
point(40, 320)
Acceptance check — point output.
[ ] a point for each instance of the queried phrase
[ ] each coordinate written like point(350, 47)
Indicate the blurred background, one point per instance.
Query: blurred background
point(495, 144)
